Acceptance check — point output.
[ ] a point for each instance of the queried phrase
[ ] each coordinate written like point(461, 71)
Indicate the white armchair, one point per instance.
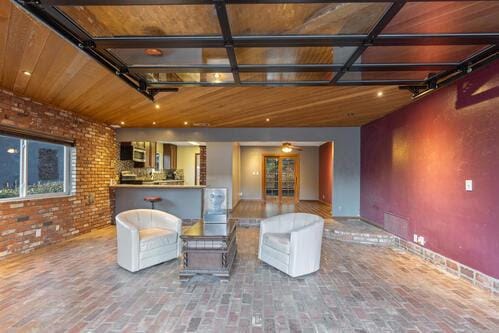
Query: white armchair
point(146, 238)
point(292, 243)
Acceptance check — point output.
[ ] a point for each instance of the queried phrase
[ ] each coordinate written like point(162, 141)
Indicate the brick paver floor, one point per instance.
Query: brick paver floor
point(77, 286)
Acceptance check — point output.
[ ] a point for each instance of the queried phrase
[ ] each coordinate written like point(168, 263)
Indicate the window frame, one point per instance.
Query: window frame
point(68, 181)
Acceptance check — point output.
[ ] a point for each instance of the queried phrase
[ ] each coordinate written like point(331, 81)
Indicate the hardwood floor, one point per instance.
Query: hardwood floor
point(263, 209)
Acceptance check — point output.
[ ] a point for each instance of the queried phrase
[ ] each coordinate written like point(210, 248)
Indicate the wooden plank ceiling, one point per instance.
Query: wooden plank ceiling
point(65, 77)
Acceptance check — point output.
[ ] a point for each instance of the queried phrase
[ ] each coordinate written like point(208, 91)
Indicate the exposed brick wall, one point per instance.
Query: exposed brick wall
point(28, 224)
point(202, 165)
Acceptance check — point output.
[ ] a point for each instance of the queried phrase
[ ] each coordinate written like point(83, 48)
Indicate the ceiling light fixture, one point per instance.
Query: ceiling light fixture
point(286, 149)
point(156, 105)
point(267, 120)
point(12, 150)
point(154, 123)
point(186, 123)
point(122, 123)
point(153, 52)
point(380, 93)
point(27, 73)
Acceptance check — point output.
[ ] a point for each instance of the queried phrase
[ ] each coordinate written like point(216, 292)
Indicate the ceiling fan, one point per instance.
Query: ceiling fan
point(287, 147)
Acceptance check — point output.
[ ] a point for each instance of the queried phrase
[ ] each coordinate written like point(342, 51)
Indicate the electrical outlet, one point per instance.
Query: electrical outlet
point(38, 232)
point(421, 240)
point(468, 185)
point(415, 238)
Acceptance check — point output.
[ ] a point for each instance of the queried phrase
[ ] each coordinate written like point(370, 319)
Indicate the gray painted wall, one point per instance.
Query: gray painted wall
point(346, 192)
point(219, 167)
point(251, 162)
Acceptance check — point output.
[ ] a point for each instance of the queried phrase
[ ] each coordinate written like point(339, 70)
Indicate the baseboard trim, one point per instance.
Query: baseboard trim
point(446, 264)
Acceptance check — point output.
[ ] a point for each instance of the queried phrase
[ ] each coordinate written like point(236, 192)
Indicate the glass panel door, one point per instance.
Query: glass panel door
point(281, 178)
point(271, 177)
point(288, 176)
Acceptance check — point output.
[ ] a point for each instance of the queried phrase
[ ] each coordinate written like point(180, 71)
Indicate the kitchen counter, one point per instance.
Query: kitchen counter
point(183, 201)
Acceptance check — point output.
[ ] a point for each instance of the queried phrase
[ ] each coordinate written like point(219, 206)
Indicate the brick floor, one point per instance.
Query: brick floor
point(77, 286)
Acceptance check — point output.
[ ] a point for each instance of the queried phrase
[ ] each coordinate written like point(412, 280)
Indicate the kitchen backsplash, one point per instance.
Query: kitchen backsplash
point(147, 172)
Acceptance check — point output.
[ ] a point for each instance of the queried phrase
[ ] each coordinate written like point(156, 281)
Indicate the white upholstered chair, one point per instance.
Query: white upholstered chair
point(292, 243)
point(147, 237)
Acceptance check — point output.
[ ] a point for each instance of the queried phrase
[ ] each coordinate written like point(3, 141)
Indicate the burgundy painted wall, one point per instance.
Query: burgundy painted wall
point(326, 172)
point(414, 163)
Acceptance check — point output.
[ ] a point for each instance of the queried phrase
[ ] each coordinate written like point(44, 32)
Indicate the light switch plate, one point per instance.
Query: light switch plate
point(468, 183)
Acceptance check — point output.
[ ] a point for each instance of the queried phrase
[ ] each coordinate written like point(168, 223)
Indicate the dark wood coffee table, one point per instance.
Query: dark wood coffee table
point(208, 248)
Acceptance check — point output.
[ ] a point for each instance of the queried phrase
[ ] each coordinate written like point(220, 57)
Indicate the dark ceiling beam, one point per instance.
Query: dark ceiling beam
point(292, 68)
point(379, 82)
point(445, 78)
point(223, 20)
point(394, 9)
point(158, 42)
point(436, 39)
point(295, 40)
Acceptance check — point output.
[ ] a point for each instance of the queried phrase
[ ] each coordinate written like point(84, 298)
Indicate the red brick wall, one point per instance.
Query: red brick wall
point(56, 219)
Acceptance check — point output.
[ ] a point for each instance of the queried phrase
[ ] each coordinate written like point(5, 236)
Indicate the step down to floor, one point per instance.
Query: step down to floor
point(357, 231)
point(346, 230)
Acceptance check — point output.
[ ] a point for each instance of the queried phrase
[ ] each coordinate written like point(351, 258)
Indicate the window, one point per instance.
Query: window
point(32, 168)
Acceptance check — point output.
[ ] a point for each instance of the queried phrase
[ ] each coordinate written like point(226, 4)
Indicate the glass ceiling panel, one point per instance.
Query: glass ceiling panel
point(172, 57)
point(293, 55)
point(384, 75)
point(189, 77)
point(418, 54)
point(105, 21)
point(446, 17)
point(318, 18)
point(285, 77)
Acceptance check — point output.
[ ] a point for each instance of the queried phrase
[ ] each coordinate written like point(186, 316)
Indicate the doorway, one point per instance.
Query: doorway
point(281, 178)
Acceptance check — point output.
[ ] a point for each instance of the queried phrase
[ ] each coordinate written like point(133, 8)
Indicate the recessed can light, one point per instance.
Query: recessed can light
point(267, 120)
point(156, 106)
point(380, 93)
point(154, 123)
point(186, 123)
point(27, 73)
point(122, 123)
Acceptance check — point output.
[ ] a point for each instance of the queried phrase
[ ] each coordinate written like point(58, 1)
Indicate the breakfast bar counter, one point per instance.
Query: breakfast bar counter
point(183, 201)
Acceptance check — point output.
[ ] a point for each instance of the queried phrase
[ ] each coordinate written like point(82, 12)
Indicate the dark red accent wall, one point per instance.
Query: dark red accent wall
point(326, 172)
point(414, 163)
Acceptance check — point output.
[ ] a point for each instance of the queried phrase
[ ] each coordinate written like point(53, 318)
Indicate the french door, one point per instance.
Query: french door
point(281, 177)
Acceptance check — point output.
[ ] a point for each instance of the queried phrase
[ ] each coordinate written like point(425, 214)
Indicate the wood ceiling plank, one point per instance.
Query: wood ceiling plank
point(5, 15)
point(66, 77)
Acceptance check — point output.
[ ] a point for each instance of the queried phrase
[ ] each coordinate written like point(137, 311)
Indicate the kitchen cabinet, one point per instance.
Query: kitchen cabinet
point(169, 156)
point(150, 148)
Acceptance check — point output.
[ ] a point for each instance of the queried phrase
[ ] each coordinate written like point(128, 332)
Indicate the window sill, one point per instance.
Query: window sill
point(38, 197)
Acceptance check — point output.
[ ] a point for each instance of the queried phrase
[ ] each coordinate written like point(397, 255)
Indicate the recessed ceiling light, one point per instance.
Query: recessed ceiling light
point(12, 150)
point(153, 52)
point(380, 93)
point(267, 120)
point(27, 73)
point(122, 123)
point(186, 123)
point(154, 123)
point(156, 105)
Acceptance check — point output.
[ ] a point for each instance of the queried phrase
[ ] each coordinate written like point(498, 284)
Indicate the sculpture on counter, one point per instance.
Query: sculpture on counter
point(215, 205)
